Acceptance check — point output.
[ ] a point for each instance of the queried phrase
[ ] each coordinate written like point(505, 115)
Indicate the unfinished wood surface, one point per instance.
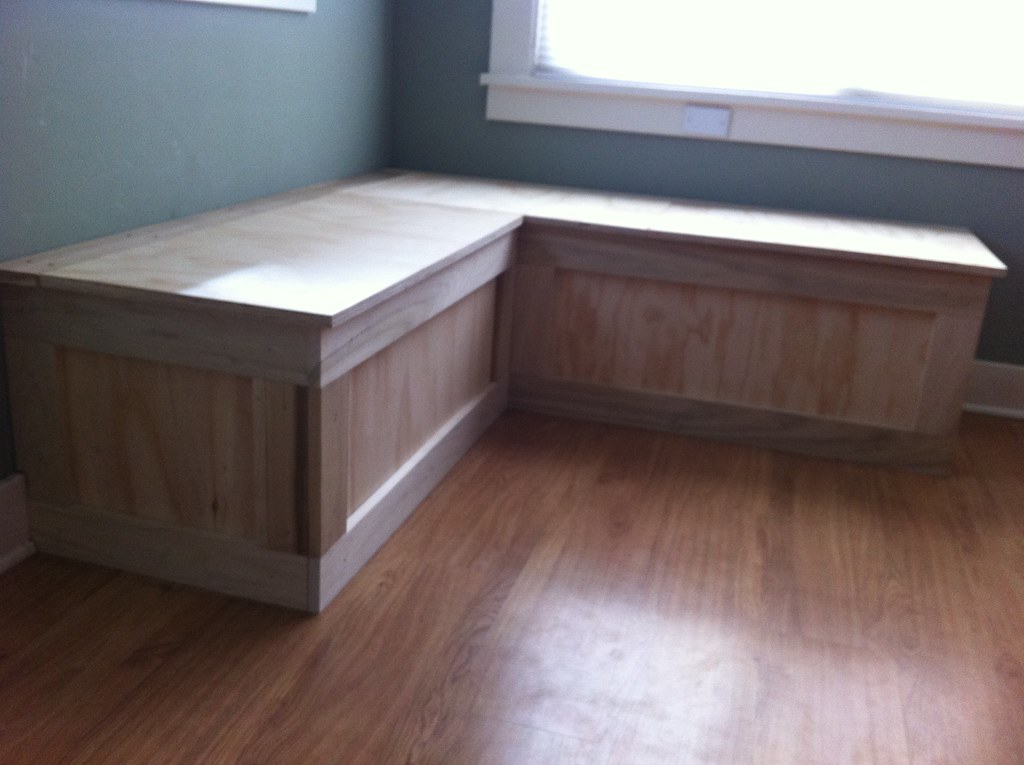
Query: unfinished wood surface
point(141, 328)
point(329, 460)
point(380, 514)
point(854, 363)
point(947, 371)
point(829, 237)
point(28, 270)
point(532, 346)
point(405, 393)
point(212, 560)
point(39, 420)
point(349, 344)
point(504, 311)
point(200, 449)
point(322, 259)
point(716, 264)
point(796, 433)
point(574, 593)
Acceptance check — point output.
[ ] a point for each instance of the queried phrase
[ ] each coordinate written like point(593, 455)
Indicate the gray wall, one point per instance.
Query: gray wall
point(120, 113)
point(441, 48)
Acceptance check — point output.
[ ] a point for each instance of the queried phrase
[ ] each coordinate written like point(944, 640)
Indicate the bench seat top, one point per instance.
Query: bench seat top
point(325, 253)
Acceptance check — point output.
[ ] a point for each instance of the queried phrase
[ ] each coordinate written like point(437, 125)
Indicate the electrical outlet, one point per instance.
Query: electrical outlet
point(712, 121)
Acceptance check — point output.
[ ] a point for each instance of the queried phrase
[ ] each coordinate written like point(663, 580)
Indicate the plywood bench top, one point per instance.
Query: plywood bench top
point(317, 254)
point(325, 253)
point(946, 249)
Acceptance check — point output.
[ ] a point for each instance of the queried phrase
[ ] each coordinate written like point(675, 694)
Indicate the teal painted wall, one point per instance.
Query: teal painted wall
point(441, 48)
point(119, 113)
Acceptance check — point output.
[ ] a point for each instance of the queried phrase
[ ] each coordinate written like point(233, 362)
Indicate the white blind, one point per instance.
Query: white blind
point(908, 49)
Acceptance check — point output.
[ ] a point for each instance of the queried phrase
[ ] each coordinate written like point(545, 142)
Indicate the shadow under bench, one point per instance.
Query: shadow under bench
point(252, 400)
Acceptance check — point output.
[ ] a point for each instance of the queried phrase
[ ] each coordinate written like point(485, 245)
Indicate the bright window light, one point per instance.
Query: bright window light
point(921, 51)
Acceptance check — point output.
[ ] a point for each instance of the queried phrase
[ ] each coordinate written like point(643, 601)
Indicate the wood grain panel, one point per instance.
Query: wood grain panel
point(765, 351)
point(248, 343)
point(377, 518)
point(284, 524)
point(403, 394)
point(756, 267)
point(801, 434)
point(947, 371)
point(180, 445)
point(850, 239)
point(532, 351)
point(38, 420)
point(349, 344)
point(330, 462)
point(208, 559)
point(321, 260)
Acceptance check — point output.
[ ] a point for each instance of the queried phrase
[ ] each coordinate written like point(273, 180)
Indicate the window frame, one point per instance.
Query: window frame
point(516, 93)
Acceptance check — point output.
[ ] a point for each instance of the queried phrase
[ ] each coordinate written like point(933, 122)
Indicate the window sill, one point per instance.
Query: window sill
point(861, 125)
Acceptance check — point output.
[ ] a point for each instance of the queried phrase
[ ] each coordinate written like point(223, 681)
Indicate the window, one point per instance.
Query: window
point(902, 77)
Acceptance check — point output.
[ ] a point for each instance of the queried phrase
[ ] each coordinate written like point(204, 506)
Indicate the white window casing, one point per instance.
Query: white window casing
point(518, 92)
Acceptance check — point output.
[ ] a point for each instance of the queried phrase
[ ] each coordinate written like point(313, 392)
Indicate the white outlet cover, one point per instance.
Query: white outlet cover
point(700, 119)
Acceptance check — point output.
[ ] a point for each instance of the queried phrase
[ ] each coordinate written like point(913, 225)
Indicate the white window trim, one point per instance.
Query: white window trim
point(516, 94)
point(299, 6)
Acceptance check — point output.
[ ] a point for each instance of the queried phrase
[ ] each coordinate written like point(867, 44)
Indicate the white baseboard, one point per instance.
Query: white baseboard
point(996, 388)
point(15, 544)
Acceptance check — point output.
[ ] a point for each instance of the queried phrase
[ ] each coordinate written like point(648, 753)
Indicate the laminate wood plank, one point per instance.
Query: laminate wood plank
point(488, 740)
point(228, 666)
point(37, 594)
point(560, 665)
point(124, 646)
point(682, 601)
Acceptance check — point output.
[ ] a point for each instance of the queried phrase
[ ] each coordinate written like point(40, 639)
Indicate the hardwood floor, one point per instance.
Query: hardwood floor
point(574, 593)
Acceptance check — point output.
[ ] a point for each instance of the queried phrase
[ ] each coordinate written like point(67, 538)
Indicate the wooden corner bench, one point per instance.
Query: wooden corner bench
point(252, 400)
